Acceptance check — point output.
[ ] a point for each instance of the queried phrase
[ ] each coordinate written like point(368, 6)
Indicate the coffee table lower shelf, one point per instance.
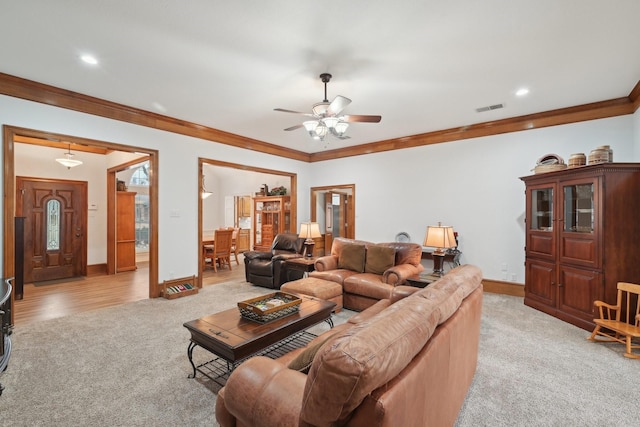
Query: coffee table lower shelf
point(218, 369)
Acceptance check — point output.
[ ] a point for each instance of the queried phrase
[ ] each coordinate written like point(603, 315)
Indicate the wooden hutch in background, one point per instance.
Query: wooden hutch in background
point(271, 216)
point(582, 238)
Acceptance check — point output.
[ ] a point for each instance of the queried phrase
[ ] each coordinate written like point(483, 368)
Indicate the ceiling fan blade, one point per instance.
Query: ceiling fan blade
point(294, 127)
point(361, 118)
point(338, 104)
point(282, 110)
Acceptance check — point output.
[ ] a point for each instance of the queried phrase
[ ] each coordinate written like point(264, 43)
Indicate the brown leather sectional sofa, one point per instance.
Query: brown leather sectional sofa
point(405, 361)
point(370, 274)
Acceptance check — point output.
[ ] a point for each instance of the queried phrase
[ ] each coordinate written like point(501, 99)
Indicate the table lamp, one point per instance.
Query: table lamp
point(440, 237)
point(309, 231)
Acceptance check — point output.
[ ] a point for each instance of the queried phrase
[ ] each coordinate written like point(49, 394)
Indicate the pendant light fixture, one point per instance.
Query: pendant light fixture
point(203, 191)
point(68, 160)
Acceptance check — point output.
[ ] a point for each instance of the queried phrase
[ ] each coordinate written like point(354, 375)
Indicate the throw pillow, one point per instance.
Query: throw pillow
point(352, 258)
point(379, 259)
point(302, 362)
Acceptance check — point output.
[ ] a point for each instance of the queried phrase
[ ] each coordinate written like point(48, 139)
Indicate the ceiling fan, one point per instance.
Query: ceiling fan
point(327, 118)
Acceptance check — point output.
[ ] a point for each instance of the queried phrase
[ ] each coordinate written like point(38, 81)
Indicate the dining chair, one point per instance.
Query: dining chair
point(234, 244)
point(221, 254)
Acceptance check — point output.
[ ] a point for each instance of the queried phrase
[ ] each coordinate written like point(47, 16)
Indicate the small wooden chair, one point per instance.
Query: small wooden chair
point(620, 322)
point(222, 248)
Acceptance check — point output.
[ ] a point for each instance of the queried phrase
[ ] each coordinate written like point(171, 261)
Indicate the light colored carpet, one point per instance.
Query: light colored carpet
point(127, 366)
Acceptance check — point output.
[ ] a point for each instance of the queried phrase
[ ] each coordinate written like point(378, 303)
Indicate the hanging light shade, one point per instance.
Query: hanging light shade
point(203, 191)
point(68, 160)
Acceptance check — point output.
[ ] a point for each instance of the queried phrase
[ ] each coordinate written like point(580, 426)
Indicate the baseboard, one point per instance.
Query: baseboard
point(505, 288)
point(96, 269)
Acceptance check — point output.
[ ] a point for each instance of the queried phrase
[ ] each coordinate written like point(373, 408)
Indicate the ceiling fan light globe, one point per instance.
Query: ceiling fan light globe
point(321, 131)
point(341, 128)
point(310, 125)
point(330, 122)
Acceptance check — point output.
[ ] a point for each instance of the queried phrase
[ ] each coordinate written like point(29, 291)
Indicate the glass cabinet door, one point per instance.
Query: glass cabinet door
point(578, 208)
point(542, 209)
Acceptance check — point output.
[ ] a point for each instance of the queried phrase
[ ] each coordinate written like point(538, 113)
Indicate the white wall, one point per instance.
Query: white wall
point(178, 170)
point(472, 185)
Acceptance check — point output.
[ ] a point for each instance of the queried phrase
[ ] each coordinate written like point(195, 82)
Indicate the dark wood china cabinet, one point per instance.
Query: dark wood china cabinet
point(582, 238)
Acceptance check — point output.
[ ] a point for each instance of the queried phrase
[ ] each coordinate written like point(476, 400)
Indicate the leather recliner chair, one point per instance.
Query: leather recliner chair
point(267, 269)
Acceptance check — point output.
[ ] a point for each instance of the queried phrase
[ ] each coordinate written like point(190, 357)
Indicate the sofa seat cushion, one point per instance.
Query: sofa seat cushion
point(367, 285)
point(337, 276)
point(359, 360)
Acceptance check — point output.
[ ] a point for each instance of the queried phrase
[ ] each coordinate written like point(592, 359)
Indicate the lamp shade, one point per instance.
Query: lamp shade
point(440, 236)
point(309, 230)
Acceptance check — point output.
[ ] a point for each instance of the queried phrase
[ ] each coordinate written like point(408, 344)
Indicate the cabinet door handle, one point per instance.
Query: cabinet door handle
point(560, 285)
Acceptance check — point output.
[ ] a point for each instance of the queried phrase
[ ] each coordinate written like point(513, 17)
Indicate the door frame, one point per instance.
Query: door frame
point(10, 132)
point(111, 210)
point(293, 180)
point(349, 190)
point(83, 213)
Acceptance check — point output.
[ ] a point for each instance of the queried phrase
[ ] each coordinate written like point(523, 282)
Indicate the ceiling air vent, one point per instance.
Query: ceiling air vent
point(489, 108)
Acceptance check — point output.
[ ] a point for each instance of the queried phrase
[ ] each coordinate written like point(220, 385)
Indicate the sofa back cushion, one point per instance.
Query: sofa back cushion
point(378, 259)
point(359, 360)
point(406, 253)
point(352, 258)
point(340, 242)
point(287, 242)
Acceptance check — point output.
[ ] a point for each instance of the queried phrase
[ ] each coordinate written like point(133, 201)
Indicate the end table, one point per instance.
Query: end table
point(304, 264)
point(421, 280)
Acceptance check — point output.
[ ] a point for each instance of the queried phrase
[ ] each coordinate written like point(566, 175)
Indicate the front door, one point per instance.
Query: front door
point(54, 227)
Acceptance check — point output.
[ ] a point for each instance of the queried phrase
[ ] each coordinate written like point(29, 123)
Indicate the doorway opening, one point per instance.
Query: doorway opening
point(333, 208)
point(228, 184)
point(13, 136)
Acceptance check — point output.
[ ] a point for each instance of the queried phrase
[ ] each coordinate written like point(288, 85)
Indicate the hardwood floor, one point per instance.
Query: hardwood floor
point(54, 300)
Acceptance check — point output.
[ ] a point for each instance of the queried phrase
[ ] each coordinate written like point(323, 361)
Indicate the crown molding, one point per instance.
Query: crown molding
point(38, 92)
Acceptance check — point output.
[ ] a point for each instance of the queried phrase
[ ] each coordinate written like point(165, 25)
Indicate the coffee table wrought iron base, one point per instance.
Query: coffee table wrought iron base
point(219, 369)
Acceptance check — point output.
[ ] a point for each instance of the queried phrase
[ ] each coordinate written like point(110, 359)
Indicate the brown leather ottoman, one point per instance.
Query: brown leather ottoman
point(319, 288)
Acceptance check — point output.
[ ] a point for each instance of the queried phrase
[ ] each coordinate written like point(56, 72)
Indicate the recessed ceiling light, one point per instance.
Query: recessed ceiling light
point(522, 92)
point(89, 59)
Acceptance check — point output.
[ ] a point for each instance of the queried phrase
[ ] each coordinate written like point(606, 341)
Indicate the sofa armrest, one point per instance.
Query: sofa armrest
point(325, 263)
point(398, 274)
point(258, 386)
point(286, 256)
point(401, 291)
point(249, 255)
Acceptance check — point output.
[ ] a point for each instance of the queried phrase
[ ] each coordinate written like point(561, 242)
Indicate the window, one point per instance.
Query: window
point(53, 225)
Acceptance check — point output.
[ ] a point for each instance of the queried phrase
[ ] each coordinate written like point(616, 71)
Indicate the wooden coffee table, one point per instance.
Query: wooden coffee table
point(233, 338)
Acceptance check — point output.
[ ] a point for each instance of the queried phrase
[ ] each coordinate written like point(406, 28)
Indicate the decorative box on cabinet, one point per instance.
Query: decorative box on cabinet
point(581, 238)
point(125, 231)
point(271, 216)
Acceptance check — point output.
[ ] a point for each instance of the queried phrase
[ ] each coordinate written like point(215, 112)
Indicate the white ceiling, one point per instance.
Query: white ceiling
point(423, 65)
